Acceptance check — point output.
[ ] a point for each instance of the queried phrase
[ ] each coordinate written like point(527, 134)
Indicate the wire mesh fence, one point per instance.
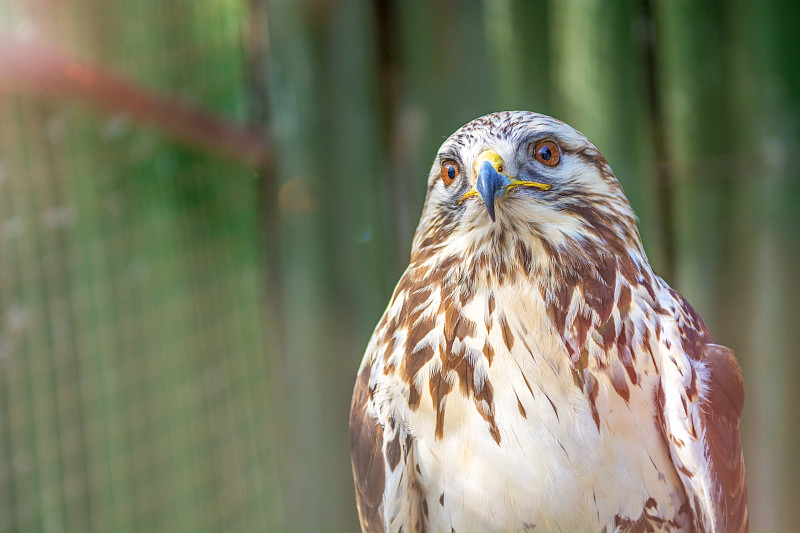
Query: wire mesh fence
point(132, 348)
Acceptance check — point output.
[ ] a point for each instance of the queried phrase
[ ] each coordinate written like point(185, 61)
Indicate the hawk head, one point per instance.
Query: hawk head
point(520, 177)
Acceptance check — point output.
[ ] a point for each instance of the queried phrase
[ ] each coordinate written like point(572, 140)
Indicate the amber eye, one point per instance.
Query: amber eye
point(546, 152)
point(449, 172)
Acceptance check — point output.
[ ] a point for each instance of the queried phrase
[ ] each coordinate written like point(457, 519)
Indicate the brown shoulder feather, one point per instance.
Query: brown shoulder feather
point(720, 408)
point(721, 412)
point(366, 454)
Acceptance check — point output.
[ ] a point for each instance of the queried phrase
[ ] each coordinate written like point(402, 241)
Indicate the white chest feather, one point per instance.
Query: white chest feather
point(541, 449)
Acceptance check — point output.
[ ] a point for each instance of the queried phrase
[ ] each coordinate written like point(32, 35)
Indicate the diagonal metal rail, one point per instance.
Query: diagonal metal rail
point(38, 68)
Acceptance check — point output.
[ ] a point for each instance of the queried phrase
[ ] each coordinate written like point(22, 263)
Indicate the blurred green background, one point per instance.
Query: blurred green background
point(205, 204)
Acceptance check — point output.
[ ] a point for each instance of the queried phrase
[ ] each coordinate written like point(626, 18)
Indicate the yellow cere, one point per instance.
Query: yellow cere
point(492, 157)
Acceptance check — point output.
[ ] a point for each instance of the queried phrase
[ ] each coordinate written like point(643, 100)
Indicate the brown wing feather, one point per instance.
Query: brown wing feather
point(722, 410)
point(366, 454)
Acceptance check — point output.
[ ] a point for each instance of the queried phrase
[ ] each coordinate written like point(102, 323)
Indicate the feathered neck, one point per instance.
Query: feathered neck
point(480, 252)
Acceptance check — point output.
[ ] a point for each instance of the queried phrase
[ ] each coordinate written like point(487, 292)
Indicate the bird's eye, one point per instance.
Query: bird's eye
point(449, 172)
point(547, 153)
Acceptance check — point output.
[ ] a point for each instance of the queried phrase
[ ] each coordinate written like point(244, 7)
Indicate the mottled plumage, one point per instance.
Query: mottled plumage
point(531, 372)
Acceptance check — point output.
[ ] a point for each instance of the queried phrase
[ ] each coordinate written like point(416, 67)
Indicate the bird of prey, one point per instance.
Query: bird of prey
point(531, 372)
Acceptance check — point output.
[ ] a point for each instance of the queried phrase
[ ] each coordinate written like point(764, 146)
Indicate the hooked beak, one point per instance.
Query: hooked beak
point(492, 181)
